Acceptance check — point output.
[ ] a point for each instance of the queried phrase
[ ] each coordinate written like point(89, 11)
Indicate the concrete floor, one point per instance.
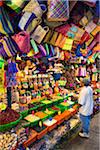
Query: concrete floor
point(78, 143)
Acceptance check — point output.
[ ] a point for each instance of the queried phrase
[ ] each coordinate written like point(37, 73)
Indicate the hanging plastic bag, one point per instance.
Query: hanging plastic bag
point(34, 7)
point(5, 24)
point(23, 41)
point(58, 10)
point(15, 5)
point(40, 33)
point(29, 22)
point(8, 47)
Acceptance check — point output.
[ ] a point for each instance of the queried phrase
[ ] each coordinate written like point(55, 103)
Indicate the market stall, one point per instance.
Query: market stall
point(46, 49)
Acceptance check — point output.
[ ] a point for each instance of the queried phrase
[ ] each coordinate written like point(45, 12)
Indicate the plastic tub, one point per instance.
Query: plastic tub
point(40, 106)
point(62, 109)
point(50, 112)
point(24, 113)
point(47, 103)
point(51, 124)
point(32, 119)
point(59, 119)
point(41, 131)
point(43, 116)
point(10, 125)
point(67, 114)
point(25, 123)
point(66, 105)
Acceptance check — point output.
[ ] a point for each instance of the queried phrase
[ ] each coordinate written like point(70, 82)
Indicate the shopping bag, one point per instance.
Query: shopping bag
point(16, 5)
point(40, 33)
point(8, 47)
point(23, 41)
point(58, 10)
point(29, 22)
point(34, 7)
point(5, 24)
point(54, 38)
point(34, 46)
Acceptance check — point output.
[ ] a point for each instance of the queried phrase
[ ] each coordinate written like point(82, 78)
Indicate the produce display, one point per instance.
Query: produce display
point(31, 118)
point(8, 141)
point(8, 115)
point(41, 115)
point(49, 122)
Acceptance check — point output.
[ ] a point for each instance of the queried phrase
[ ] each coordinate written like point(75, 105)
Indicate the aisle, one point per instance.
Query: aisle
point(84, 144)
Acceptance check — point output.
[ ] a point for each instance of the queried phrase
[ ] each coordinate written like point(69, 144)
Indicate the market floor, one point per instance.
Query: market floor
point(79, 143)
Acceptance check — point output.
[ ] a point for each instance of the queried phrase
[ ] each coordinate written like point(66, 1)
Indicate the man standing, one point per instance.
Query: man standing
point(86, 107)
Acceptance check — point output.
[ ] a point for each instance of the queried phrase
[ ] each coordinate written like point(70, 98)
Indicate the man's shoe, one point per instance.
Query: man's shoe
point(84, 135)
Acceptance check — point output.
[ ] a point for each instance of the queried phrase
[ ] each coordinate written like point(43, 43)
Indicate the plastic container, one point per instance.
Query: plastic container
point(62, 109)
point(67, 114)
point(55, 108)
point(25, 123)
point(47, 103)
point(50, 112)
point(10, 125)
point(59, 119)
point(24, 113)
point(32, 119)
point(73, 111)
point(43, 116)
point(32, 109)
point(41, 131)
point(66, 105)
point(51, 124)
point(40, 106)
point(55, 101)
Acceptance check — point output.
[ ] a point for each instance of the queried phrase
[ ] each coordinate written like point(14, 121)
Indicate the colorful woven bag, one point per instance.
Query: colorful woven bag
point(5, 24)
point(23, 41)
point(15, 5)
point(40, 33)
point(29, 22)
point(8, 47)
point(34, 7)
point(58, 10)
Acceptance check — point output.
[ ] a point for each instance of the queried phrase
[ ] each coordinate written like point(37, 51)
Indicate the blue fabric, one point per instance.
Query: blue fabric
point(85, 123)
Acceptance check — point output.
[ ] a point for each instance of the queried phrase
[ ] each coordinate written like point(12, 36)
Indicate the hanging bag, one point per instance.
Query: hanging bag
point(29, 22)
point(8, 47)
point(58, 10)
point(34, 7)
point(40, 33)
point(15, 5)
point(23, 41)
point(5, 24)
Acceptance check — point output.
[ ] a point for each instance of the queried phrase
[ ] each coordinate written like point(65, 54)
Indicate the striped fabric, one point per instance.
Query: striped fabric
point(5, 24)
point(58, 10)
point(8, 47)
